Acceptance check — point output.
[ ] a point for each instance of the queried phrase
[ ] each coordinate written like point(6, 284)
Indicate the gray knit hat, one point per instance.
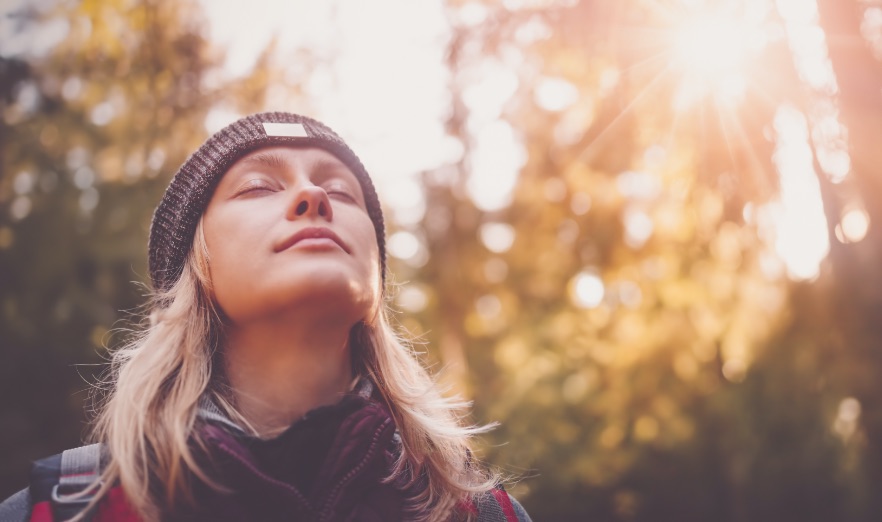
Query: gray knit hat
point(188, 194)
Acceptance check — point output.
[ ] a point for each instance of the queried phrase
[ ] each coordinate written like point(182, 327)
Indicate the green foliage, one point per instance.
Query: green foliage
point(91, 134)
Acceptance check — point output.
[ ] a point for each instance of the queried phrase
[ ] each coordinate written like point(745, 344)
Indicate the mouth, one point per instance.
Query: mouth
point(310, 233)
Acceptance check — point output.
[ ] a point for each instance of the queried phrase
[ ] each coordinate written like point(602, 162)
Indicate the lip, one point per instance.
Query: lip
point(312, 233)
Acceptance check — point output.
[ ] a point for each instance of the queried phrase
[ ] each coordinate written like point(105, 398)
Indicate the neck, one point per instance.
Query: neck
point(280, 369)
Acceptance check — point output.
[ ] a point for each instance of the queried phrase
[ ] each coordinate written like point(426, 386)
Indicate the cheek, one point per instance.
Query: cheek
point(372, 256)
point(375, 274)
point(218, 256)
point(219, 275)
point(226, 266)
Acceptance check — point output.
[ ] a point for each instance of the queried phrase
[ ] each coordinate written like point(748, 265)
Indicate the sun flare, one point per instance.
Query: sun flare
point(711, 52)
point(710, 45)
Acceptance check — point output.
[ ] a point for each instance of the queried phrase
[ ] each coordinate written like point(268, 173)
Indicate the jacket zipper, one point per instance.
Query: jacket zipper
point(334, 495)
point(287, 488)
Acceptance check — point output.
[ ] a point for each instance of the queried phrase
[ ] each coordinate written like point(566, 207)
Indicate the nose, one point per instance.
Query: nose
point(311, 202)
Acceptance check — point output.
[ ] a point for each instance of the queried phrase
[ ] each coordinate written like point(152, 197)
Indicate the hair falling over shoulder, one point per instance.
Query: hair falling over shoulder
point(147, 417)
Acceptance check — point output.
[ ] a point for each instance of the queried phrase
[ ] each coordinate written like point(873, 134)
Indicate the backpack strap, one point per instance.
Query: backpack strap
point(16, 508)
point(505, 503)
point(78, 481)
point(498, 506)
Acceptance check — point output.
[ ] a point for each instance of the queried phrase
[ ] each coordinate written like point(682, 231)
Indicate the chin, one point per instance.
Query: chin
point(337, 293)
point(318, 295)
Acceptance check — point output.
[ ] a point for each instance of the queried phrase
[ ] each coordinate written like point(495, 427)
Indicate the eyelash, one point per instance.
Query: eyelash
point(340, 191)
point(260, 185)
point(253, 186)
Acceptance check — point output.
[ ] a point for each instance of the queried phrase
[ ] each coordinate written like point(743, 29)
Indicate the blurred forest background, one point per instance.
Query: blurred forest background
point(652, 249)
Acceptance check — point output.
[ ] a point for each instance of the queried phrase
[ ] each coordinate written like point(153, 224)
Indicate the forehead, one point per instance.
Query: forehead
point(281, 157)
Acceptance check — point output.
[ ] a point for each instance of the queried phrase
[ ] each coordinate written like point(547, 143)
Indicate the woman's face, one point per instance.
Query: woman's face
point(288, 228)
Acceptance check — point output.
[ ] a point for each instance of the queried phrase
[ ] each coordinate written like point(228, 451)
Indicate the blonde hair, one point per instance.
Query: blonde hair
point(157, 379)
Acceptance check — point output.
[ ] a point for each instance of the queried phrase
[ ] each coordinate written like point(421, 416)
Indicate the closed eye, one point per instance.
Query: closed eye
point(253, 187)
point(340, 191)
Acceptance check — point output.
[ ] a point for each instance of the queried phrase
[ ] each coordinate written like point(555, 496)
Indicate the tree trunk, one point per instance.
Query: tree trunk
point(857, 266)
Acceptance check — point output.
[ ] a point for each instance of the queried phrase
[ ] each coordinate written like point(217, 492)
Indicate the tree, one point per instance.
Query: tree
point(858, 276)
point(636, 336)
point(91, 134)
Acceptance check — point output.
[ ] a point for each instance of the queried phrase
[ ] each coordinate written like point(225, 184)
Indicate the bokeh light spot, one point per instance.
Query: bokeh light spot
point(495, 270)
point(403, 245)
point(23, 183)
point(495, 164)
point(646, 428)
point(555, 94)
point(638, 227)
point(853, 226)
point(7, 237)
point(20, 208)
point(497, 237)
point(798, 218)
point(587, 290)
point(734, 370)
point(488, 306)
point(580, 203)
point(412, 298)
point(555, 190)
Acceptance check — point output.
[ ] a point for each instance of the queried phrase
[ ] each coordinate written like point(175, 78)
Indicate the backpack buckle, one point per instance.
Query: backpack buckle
point(81, 497)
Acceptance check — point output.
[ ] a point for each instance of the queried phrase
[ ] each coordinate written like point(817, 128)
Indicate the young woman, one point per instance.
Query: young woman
point(267, 383)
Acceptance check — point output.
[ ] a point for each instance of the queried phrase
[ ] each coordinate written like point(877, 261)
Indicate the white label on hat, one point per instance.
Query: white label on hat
point(293, 130)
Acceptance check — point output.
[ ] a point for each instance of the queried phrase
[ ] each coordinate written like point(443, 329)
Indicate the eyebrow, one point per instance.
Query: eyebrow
point(274, 160)
point(332, 163)
point(265, 159)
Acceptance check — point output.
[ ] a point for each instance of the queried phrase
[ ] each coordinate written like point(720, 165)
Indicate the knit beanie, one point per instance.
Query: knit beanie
point(187, 196)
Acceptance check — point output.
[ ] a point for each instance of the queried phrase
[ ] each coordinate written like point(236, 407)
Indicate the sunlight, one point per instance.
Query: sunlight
point(495, 165)
point(710, 45)
point(713, 47)
point(799, 220)
point(808, 44)
point(390, 110)
point(800, 223)
point(710, 50)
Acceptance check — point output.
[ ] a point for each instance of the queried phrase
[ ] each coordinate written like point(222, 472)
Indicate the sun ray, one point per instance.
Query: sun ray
point(646, 61)
point(724, 130)
point(758, 173)
point(589, 148)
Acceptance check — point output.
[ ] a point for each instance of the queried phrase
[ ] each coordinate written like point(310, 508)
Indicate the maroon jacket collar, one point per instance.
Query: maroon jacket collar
point(350, 484)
